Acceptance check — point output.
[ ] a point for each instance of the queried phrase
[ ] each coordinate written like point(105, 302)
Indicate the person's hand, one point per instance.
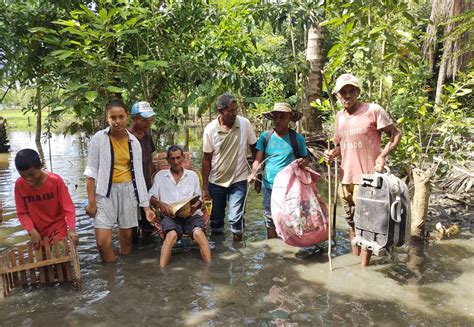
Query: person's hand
point(379, 164)
point(251, 177)
point(71, 233)
point(35, 238)
point(329, 155)
point(195, 206)
point(303, 162)
point(165, 209)
point(150, 215)
point(205, 194)
point(91, 209)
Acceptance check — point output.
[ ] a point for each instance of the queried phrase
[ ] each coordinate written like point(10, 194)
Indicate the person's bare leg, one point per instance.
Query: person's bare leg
point(201, 240)
point(125, 238)
point(271, 233)
point(170, 241)
point(352, 235)
point(103, 239)
point(365, 257)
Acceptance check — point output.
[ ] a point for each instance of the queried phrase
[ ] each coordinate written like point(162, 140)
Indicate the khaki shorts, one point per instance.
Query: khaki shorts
point(120, 208)
point(346, 194)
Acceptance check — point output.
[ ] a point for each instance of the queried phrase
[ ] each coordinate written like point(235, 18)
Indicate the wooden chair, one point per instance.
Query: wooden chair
point(25, 265)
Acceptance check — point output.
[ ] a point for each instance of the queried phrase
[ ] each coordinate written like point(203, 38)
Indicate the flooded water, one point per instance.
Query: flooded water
point(265, 283)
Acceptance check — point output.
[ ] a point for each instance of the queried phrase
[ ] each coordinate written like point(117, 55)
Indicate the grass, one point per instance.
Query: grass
point(17, 120)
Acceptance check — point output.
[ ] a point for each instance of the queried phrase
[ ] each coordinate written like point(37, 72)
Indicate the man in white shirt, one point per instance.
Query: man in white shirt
point(171, 186)
point(224, 165)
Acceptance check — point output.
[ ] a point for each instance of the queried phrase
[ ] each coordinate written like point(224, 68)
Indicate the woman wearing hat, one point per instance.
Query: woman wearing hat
point(279, 148)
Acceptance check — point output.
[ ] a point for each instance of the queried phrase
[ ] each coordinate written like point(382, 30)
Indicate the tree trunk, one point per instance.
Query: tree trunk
point(38, 114)
point(243, 108)
point(312, 84)
point(186, 138)
point(39, 147)
point(421, 198)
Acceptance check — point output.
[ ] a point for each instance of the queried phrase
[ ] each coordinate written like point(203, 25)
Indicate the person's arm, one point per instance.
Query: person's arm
point(303, 162)
point(67, 204)
point(91, 172)
point(206, 171)
point(69, 210)
point(25, 219)
point(303, 151)
point(196, 192)
point(91, 208)
point(395, 136)
point(258, 160)
point(22, 210)
point(163, 207)
point(333, 153)
point(254, 150)
point(154, 195)
point(251, 139)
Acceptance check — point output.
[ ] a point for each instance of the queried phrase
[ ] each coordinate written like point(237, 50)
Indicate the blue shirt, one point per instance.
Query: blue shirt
point(280, 154)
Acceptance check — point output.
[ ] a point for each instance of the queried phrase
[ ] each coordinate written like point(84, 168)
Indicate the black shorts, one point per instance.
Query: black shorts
point(182, 225)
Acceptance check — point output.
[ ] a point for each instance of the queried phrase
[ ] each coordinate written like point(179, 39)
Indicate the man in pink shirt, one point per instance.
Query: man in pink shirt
point(357, 136)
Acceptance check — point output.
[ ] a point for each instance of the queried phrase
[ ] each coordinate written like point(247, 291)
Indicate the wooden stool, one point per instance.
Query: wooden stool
point(49, 264)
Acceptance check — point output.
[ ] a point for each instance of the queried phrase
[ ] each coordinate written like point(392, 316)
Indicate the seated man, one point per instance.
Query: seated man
point(172, 186)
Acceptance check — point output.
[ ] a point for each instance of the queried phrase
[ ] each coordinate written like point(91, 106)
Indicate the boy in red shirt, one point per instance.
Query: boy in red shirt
point(43, 203)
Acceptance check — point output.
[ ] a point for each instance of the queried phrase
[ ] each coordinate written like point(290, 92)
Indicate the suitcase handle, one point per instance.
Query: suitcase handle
point(395, 211)
point(377, 183)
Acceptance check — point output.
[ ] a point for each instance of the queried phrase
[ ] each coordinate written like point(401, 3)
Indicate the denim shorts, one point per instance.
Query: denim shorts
point(120, 208)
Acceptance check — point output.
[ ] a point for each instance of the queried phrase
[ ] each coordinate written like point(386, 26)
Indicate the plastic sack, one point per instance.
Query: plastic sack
point(298, 211)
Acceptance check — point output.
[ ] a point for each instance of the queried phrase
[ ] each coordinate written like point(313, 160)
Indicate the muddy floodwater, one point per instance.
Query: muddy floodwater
point(261, 283)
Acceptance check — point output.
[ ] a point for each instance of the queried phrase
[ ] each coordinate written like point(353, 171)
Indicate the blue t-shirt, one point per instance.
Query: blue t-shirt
point(279, 153)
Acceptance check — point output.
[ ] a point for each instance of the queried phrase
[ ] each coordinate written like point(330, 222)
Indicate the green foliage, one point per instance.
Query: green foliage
point(441, 130)
point(374, 41)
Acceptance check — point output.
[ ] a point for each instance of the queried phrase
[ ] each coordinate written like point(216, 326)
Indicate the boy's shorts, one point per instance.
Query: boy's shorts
point(347, 194)
point(121, 208)
point(182, 225)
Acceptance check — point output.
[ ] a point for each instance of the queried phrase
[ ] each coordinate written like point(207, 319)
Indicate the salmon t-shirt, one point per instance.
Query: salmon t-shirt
point(359, 136)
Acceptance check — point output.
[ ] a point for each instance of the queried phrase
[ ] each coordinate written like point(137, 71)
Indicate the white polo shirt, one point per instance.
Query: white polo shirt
point(212, 144)
point(166, 190)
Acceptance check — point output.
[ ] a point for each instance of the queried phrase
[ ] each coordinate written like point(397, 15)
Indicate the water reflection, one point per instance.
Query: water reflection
point(264, 283)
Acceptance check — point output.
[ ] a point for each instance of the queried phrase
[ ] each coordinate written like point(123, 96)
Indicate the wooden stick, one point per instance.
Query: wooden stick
point(66, 252)
point(329, 214)
point(75, 262)
point(47, 249)
point(14, 264)
point(59, 266)
point(334, 205)
point(31, 259)
point(21, 262)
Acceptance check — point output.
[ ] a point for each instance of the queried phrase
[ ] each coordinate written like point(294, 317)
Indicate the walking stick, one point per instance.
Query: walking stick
point(330, 214)
point(334, 205)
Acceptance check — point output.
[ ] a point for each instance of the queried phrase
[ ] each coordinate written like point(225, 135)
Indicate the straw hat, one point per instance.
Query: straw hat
point(283, 107)
point(183, 208)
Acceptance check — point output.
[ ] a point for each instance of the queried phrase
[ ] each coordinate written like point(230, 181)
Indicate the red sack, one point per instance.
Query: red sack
point(298, 211)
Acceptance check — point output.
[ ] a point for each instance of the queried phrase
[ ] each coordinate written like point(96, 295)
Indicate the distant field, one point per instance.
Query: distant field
point(19, 121)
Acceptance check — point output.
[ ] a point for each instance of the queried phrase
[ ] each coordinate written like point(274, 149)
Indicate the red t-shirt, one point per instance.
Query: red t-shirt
point(49, 209)
point(359, 136)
